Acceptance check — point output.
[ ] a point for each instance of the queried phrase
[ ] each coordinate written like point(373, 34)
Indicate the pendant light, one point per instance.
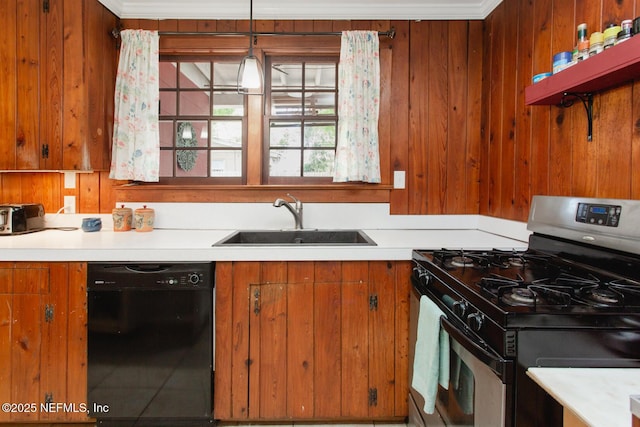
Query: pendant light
point(250, 76)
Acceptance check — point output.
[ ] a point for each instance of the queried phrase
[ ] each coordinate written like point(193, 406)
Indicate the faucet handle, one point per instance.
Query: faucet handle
point(298, 202)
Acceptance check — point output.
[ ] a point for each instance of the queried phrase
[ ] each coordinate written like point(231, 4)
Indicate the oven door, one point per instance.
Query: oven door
point(480, 391)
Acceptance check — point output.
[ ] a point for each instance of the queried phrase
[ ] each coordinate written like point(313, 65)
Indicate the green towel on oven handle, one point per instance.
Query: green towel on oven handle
point(431, 360)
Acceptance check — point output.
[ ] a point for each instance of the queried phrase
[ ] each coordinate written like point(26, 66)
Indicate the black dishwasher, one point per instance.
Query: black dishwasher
point(150, 343)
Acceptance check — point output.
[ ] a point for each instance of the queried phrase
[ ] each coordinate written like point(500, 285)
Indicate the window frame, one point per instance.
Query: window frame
point(303, 58)
point(211, 57)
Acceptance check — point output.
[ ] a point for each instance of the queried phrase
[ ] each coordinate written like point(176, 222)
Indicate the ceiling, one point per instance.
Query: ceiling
point(303, 9)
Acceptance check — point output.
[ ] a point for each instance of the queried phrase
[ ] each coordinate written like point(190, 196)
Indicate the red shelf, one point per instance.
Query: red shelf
point(608, 69)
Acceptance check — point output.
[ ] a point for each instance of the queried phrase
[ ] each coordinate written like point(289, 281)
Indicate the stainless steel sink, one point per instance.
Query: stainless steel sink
point(297, 237)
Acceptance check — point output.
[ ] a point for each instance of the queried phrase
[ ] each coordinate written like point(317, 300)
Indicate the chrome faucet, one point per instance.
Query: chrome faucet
point(295, 211)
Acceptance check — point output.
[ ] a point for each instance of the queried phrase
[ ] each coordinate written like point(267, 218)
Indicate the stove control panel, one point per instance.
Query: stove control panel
point(597, 214)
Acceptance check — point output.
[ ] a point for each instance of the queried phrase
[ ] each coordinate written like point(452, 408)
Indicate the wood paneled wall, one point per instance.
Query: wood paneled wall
point(544, 149)
point(430, 117)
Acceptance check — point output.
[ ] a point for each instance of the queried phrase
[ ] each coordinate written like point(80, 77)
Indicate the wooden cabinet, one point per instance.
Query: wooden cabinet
point(57, 74)
point(43, 340)
point(311, 340)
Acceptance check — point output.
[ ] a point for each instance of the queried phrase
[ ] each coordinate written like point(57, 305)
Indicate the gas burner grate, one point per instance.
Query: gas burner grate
point(561, 291)
point(451, 259)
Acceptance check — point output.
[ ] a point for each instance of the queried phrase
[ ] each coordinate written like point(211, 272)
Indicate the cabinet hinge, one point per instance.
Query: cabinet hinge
point(373, 397)
point(45, 151)
point(48, 397)
point(45, 6)
point(48, 313)
point(373, 302)
point(256, 302)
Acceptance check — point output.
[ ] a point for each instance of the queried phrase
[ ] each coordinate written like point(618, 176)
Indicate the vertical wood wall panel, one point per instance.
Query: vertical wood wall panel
point(522, 164)
point(28, 102)
point(52, 63)
point(495, 137)
point(562, 132)
point(399, 151)
point(473, 118)
point(438, 82)
point(418, 172)
point(451, 90)
point(8, 90)
point(561, 160)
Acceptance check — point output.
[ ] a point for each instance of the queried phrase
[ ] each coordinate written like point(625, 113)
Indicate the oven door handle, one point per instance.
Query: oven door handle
point(501, 367)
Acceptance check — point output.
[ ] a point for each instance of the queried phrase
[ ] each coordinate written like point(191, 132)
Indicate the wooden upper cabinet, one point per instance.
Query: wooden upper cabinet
point(57, 81)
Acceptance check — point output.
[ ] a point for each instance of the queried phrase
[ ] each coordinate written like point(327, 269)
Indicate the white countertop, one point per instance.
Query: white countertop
point(195, 245)
point(600, 397)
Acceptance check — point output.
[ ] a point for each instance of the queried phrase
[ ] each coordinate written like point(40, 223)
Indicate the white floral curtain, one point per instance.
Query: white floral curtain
point(136, 141)
point(357, 152)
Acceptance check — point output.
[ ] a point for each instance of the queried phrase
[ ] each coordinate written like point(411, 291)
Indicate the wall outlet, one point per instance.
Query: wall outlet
point(69, 204)
point(399, 178)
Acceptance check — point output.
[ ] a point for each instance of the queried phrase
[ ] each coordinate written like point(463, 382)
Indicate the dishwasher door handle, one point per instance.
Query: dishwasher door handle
point(148, 268)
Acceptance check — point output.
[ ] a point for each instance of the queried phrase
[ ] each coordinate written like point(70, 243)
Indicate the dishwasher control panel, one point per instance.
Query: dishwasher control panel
point(150, 275)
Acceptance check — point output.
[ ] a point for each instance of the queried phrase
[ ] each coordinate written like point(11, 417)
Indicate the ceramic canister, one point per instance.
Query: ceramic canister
point(122, 218)
point(143, 219)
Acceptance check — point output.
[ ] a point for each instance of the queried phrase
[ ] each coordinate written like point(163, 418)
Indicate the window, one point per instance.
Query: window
point(300, 119)
point(202, 120)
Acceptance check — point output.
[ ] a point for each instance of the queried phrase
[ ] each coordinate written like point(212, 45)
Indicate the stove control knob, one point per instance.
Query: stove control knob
point(475, 321)
point(460, 308)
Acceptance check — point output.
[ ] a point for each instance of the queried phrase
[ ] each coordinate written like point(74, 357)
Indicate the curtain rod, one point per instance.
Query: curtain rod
point(391, 33)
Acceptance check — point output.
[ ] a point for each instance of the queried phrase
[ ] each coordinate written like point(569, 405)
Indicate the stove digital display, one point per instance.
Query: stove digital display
point(605, 215)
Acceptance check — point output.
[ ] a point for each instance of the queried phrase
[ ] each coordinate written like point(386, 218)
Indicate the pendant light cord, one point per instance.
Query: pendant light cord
point(250, 27)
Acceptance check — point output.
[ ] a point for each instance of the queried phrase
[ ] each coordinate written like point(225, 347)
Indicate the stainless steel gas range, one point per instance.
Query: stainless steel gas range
point(571, 299)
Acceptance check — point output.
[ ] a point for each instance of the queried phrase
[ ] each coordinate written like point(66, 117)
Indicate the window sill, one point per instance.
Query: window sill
point(330, 193)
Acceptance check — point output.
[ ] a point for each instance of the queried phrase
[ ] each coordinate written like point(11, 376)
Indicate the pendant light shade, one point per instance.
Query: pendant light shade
point(250, 75)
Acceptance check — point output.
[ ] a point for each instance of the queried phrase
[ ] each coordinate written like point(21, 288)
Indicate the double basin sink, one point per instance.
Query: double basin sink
point(302, 237)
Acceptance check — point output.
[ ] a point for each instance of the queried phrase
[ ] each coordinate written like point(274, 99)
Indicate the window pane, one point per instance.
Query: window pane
point(226, 133)
point(192, 134)
point(166, 133)
point(228, 104)
point(284, 163)
point(286, 103)
point(166, 163)
point(195, 75)
point(168, 73)
point(226, 163)
point(320, 76)
point(203, 121)
point(191, 163)
point(319, 134)
point(225, 75)
point(320, 103)
point(167, 103)
point(318, 162)
point(286, 76)
point(194, 103)
point(285, 134)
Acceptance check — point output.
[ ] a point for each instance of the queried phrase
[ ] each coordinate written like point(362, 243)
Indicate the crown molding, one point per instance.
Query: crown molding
point(296, 9)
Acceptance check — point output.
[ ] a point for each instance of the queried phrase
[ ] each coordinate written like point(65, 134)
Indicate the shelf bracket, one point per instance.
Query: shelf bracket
point(568, 98)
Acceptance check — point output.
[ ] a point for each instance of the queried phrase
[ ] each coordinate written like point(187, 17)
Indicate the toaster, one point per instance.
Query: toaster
point(21, 218)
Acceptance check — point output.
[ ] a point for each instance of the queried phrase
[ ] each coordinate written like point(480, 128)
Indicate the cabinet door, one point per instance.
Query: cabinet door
point(311, 340)
point(57, 77)
point(22, 296)
point(43, 345)
point(355, 339)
